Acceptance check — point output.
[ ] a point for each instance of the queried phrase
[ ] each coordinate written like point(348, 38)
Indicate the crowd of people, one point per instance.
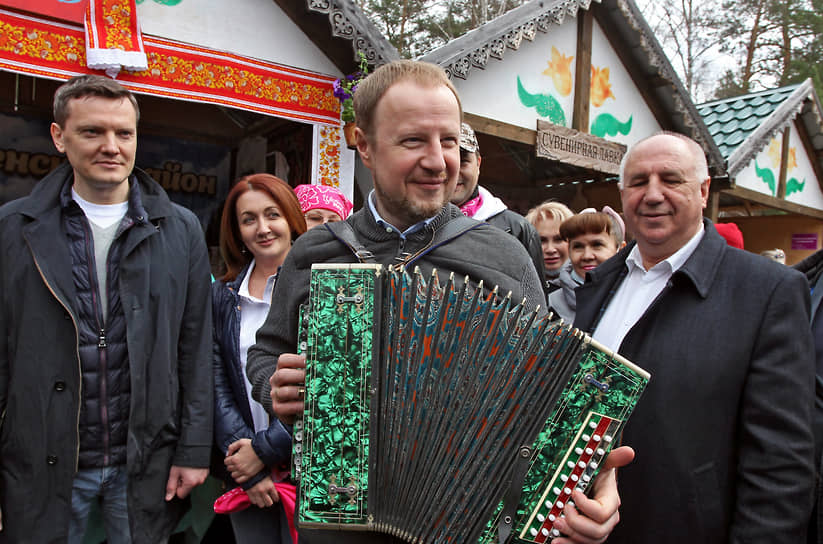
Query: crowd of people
point(127, 376)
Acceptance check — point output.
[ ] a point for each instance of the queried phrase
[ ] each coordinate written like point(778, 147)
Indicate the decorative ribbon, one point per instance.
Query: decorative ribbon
point(39, 47)
point(332, 160)
point(113, 37)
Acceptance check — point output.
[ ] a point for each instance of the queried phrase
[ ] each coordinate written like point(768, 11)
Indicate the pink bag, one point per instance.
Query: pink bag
point(237, 499)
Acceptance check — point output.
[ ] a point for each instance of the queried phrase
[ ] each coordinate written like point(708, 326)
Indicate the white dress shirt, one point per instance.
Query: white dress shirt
point(253, 313)
point(637, 291)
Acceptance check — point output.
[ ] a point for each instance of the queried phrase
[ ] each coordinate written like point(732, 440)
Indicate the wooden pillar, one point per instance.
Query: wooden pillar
point(583, 71)
point(784, 164)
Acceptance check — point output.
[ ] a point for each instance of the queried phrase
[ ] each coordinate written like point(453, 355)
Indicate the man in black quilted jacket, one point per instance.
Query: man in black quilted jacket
point(478, 203)
point(105, 337)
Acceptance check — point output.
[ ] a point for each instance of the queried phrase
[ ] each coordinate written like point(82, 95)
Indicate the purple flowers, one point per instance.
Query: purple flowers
point(345, 87)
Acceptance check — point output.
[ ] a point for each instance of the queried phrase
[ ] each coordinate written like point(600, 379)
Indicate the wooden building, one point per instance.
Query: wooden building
point(773, 142)
point(557, 89)
point(229, 88)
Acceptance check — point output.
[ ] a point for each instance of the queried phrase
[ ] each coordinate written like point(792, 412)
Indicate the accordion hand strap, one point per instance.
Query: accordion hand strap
point(513, 493)
point(455, 228)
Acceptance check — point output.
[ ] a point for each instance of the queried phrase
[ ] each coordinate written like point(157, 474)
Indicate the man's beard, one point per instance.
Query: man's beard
point(411, 212)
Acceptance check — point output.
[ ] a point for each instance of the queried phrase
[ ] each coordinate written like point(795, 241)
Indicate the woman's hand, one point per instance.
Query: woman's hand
point(263, 494)
point(242, 461)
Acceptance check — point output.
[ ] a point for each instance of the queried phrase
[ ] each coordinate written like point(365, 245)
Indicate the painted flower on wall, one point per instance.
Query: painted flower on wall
point(792, 159)
point(793, 185)
point(775, 152)
point(560, 71)
point(601, 89)
point(770, 175)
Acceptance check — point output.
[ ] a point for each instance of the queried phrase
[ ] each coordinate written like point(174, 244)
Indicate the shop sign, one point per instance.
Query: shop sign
point(569, 146)
point(804, 241)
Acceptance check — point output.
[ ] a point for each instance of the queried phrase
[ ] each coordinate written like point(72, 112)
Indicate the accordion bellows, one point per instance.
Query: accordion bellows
point(447, 413)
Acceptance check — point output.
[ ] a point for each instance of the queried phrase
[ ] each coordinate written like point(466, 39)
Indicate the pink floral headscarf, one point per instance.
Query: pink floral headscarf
point(324, 197)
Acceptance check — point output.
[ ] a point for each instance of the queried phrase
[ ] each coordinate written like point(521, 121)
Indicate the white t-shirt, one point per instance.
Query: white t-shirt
point(102, 215)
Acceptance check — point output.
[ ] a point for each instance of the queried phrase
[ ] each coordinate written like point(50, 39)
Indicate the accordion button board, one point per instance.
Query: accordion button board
point(437, 410)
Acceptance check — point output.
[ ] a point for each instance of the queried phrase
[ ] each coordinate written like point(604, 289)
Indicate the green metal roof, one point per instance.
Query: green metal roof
point(732, 120)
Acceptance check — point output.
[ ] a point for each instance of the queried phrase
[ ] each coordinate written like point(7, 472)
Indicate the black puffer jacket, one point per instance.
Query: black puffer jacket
point(232, 415)
point(812, 267)
point(104, 413)
point(516, 225)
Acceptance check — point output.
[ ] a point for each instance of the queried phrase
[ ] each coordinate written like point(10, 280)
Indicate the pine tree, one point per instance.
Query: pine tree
point(775, 40)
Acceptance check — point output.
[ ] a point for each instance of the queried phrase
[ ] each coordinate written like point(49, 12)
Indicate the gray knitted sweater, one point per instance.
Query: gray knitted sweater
point(483, 254)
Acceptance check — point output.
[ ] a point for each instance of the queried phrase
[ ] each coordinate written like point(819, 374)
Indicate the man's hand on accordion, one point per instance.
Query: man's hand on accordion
point(591, 520)
point(287, 387)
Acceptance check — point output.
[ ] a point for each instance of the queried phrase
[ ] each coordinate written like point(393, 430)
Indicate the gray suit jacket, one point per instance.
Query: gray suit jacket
point(723, 433)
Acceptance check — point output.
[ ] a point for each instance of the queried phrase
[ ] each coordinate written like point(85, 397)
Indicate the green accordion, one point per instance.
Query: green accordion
point(440, 411)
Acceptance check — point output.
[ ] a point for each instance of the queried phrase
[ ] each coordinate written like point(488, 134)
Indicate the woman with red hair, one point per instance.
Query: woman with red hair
point(261, 218)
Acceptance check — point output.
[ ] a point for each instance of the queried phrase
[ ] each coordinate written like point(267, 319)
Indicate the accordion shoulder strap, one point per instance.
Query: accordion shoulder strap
point(455, 228)
point(345, 234)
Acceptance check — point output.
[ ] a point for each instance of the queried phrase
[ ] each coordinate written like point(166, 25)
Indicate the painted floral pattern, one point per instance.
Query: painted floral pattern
point(117, 17)
point(601, 88)
point(559, 70)
point(47, 48)
point(331, 141)
point(770, 173)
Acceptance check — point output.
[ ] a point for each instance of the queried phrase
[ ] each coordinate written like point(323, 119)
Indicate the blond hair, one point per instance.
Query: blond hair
point(371, 90)
point(549, 210)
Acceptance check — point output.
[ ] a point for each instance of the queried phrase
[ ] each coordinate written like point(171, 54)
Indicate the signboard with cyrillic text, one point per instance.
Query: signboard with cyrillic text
point(570, 146)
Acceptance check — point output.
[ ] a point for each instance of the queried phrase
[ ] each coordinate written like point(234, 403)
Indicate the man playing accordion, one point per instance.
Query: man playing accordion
point(408, 129)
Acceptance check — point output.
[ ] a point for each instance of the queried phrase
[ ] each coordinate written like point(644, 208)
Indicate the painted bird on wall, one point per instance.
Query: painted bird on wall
point(545, 104)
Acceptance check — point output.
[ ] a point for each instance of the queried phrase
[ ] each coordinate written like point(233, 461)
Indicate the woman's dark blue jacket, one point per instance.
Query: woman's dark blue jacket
point(232, 415)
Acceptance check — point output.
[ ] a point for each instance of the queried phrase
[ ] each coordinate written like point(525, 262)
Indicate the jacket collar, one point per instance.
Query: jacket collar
point(700, 269)
point(234, 285)
point(703, 265)
point(147, 200)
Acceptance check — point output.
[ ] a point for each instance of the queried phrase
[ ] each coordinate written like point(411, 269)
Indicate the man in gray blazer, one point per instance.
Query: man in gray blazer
point(723, 433)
